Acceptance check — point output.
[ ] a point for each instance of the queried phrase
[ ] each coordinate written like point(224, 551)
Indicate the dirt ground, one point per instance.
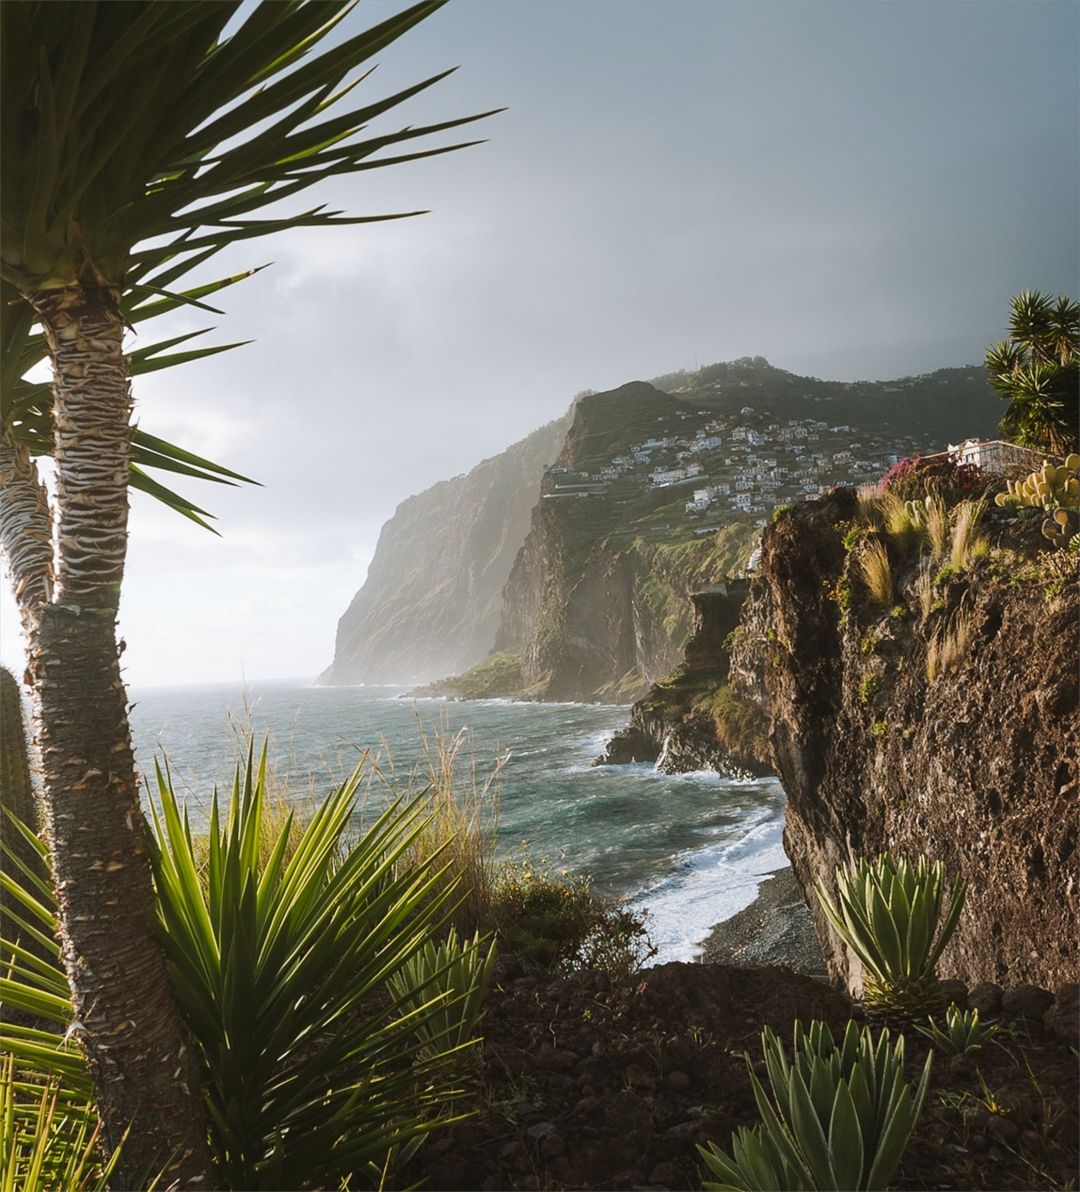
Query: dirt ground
point(586, 1085)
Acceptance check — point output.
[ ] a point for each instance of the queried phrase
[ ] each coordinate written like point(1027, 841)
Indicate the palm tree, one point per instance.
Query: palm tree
point(1037, 369)
point(138, 138)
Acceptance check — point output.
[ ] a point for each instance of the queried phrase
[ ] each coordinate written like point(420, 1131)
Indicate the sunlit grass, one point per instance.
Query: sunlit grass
point(877, 572)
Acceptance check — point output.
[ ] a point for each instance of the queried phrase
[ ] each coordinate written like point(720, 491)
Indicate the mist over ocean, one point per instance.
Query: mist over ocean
point(689, 849)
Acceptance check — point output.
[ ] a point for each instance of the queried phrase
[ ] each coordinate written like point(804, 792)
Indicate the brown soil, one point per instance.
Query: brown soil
point(589, 1085)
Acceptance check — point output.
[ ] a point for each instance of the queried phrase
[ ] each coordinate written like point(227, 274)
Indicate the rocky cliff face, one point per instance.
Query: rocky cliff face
point(944, 724)
point(691, 720)
point(597, 606)
point(432, 599)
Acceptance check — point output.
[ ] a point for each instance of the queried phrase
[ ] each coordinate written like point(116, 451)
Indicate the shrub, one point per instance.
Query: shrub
point(917, 478)
point(963, 1032)
point(888, 913)
point(560, 923)
point(741, 727)
point(838, 1118)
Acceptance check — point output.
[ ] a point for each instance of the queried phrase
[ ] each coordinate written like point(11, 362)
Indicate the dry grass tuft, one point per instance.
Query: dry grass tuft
point(899, 524)
point(937, 526)
point(877, 572)
point(868, 497)
point(924, 592)
point(967, 544)
point(464, 811)
point(948, 649)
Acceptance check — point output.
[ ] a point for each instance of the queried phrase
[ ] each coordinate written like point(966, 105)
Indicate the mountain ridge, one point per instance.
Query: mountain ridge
point(582, 569)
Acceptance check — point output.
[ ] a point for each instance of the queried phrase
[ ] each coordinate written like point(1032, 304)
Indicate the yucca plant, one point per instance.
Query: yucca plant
point(137, 140)
point(889, 912)
point(453, 976)
point(1037, 370)
point(49, 1128)
point(838, 1119)
point(47, 1141)
point(962, 1032)
point(310, 1072)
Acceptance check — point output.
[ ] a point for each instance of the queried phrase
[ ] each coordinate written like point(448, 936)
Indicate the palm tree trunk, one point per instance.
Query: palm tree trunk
point(145, 1072)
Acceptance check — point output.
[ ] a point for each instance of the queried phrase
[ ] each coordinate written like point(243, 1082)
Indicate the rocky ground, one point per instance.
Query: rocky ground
point(775, 929)
point(584, 1084)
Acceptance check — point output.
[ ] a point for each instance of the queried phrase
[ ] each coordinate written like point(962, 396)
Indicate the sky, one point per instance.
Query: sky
point(854, 190)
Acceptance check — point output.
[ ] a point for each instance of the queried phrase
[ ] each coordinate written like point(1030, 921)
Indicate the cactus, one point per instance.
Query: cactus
point(1061, 527)
point(917, 512)
point(17, 855)
point(1054, 489)
point(16, 792)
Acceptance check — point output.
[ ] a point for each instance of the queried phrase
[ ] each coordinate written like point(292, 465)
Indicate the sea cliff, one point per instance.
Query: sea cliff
point(944, 723)
point(432, 599)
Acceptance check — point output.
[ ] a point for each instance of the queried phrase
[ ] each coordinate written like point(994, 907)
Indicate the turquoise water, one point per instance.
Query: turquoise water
point(689, 849)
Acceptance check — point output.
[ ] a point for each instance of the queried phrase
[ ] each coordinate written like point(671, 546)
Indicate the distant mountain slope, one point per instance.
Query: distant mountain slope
point(432, 599)
point(653, 491)
point(597, 605)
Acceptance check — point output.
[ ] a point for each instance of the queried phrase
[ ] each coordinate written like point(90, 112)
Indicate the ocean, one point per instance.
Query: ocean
point(689, 850)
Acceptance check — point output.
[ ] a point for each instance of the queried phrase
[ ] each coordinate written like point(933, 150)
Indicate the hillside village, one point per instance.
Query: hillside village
point(699, 467)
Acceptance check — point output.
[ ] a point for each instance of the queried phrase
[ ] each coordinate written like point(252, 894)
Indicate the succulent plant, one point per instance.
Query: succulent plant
point(888, 913)
point(839, 1116)
point(1052, 488)
point(963, 1032)
point(1061, 527)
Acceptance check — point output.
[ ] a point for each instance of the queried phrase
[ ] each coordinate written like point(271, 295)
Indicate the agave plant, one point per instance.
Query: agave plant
point(889, 913)
point(838, 1118)
point(310, 1072)
point(963, 1032)
point(452, 974)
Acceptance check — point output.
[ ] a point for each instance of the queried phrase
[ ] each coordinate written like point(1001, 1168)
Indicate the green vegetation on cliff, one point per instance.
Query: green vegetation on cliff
point(497, 677)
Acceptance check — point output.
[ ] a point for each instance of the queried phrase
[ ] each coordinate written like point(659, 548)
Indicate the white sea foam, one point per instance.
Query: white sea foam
point(710, 885)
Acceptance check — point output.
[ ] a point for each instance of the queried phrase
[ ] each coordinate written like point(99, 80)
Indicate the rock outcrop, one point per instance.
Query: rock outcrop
point(943, 722)
point(692, 720)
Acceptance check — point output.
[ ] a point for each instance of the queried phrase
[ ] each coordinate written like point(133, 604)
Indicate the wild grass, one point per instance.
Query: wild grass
point(868, 498)
point(967, 543)
point(550, 919)
point(877, 572)
point(948, 649)
point(898, 521)
point(464, 811)
point(937, 526)
point(924, 592)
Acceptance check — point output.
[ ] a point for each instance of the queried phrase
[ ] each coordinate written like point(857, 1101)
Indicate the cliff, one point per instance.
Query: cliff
point(652, 495)
point(692, 719)
point(940, 721)
point(432, 599)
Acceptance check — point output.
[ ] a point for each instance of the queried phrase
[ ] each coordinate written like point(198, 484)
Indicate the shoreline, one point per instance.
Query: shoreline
point(775, 929)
